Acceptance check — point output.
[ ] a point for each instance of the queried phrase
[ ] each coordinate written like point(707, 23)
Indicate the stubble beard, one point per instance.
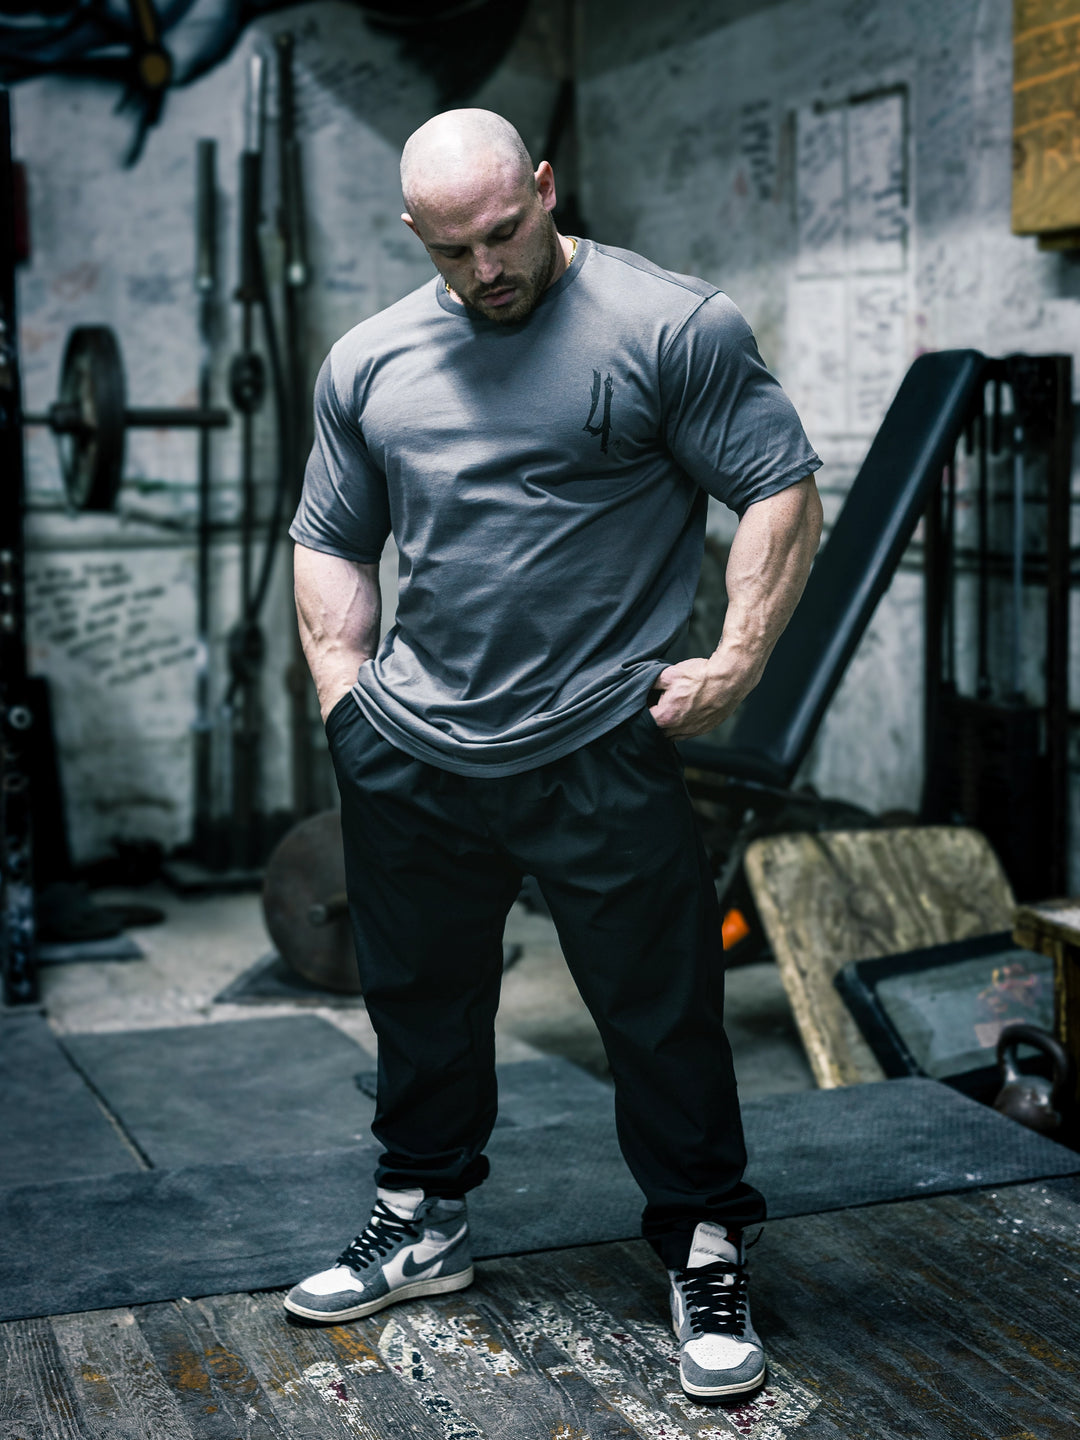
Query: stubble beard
point(530, 286)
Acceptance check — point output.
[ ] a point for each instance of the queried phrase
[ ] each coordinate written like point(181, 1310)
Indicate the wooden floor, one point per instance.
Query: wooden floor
point(954, 1316)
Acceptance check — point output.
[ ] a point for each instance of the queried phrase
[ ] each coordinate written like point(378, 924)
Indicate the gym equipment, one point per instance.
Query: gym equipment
point(16, 712)
point(1033, 1100)
point(232, 833)
point(751, 771)
point(295, 274)
point(247, 384)
point(1052, 928)
point(941, 1011)
point(91, 418)
point(997, 758)
point(305, 908)
point(206, 270)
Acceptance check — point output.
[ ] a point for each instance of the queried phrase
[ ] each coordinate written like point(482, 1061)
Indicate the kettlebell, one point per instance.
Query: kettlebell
point(1034, 1101)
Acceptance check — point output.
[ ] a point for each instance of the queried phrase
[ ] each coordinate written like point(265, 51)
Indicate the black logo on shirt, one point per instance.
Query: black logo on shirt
point(604, 428)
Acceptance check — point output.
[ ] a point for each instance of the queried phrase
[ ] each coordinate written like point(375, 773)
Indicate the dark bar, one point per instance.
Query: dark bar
point(1059, 471)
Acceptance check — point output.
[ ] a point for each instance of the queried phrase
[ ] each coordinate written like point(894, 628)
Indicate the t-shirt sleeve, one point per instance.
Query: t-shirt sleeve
point(344, 508)
point(727, 421)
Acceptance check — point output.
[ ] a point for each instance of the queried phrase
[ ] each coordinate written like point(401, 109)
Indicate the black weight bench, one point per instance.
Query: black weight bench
point(776, 724)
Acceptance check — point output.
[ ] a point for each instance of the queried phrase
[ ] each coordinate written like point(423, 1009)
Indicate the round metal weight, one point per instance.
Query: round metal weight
point(303, 904)
point(91, 413)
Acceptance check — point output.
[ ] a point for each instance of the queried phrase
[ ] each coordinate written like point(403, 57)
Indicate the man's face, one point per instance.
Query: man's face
point(497, 249)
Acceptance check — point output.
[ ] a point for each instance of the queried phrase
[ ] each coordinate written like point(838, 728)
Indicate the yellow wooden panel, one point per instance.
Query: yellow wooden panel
point(1046, 116)
point(858, 894)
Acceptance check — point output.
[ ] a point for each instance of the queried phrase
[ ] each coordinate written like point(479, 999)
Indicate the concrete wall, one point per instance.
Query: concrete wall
point(706, 128)
point(112, 607)
point(728, 140)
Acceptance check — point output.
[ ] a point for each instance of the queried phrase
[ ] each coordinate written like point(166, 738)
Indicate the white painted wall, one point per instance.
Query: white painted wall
point(690, 157)
point(117, 246)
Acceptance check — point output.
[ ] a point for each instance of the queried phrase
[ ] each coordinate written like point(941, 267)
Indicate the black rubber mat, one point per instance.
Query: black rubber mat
point(270, 981)
point(190, 1095)
point(557, 1179)
point(240, 1089)
point(51, 1127)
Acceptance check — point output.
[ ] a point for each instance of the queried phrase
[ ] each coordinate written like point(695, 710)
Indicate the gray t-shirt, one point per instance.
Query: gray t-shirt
point(546, 483)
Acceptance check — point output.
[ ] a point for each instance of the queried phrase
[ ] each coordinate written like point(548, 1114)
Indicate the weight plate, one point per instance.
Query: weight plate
point(306, 869)
point(92, 387)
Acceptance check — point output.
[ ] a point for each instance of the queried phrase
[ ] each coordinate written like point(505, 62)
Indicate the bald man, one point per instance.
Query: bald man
point(540, 428)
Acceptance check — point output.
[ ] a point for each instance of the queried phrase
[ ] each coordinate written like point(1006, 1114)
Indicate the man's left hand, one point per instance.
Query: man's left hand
point(696, 695)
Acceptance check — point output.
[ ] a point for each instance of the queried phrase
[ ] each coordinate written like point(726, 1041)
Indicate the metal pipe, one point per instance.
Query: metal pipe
point(206, 272)
point(1018, 561)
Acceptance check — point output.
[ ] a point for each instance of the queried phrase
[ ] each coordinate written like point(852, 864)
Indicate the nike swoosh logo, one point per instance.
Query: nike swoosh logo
point(409, 1268)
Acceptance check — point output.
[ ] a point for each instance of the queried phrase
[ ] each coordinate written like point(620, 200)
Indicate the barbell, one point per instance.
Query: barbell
point(91, 417)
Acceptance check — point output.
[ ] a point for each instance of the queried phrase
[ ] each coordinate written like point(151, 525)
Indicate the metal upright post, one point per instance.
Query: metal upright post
point(295, 275)
point(1059, 514)
point(17, 913)
point(933, 644)
point(206, 287)
point(248, 390)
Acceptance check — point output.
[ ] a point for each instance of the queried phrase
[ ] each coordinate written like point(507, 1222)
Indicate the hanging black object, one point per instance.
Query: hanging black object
point(17, 913)
point(88, 418)
point(91, 417)
point(1032, 1100)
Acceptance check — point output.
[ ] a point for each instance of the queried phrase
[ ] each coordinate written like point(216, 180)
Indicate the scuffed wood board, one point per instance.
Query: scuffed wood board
point(1052, 927)
point(827, 899)
point(1046, 116)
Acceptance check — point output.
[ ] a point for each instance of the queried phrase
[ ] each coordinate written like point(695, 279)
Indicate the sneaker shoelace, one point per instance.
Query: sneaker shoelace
point(715, 1298)
point(382, 1232)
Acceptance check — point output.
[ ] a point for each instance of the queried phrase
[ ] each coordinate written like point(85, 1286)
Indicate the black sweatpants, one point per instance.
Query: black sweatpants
point(434, 861)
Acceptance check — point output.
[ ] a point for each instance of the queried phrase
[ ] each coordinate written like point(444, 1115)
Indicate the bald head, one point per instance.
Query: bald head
point(483, 213)
point(459, 156)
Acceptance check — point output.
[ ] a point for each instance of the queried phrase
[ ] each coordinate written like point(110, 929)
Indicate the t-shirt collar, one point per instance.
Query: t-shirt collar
point(569, 275)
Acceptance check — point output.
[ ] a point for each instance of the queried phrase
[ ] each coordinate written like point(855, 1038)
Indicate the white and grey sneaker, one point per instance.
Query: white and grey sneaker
point(719, 1353)
point(411, 1246)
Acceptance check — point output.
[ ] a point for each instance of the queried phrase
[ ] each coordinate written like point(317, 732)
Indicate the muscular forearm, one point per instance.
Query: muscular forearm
point(769, 562)
point(338, 607)
point(767, 570)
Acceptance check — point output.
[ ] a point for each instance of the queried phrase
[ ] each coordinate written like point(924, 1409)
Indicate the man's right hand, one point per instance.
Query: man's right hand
point(338, 606)
point(332, 698)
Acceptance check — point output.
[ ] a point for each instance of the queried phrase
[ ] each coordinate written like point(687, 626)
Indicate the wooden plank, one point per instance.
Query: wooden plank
point(121, 1392)
point(967, 1365)
point(819, 1323)
point(219, 1395)
point(1046, 116)
point(314, 1390)
point(37, 1400)
point(597, 1319)
point(832, 898)
point(905, 1275)
point(1053, 928)
point(456, 1348)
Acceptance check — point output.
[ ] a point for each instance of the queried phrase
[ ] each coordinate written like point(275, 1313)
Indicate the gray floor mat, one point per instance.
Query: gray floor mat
point(51, 1127)
point(246, 1088)
point(237, 1088)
